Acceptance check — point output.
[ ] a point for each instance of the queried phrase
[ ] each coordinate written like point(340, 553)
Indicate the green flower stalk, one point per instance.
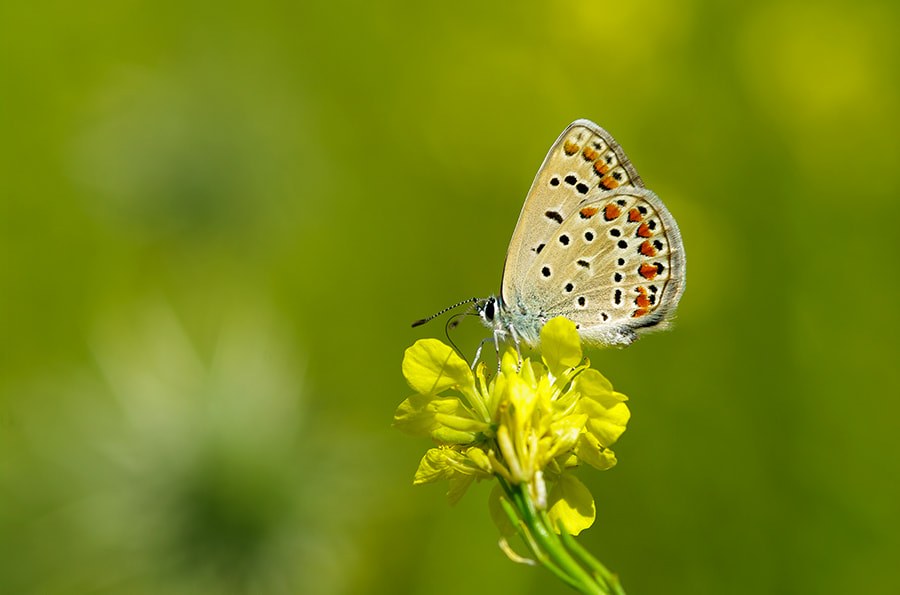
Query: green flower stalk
point(528, 427)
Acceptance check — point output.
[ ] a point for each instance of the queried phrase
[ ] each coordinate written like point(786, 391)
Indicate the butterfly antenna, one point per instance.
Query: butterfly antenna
point(457, 318)
point(424, 320)
point(452, 323)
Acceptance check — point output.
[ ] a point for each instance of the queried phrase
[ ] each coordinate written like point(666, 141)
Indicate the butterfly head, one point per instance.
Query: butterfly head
point(487, 309)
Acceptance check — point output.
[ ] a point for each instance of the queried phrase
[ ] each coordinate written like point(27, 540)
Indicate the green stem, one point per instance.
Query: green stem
point(599, 570)
point(551, 550)
point(535, 548)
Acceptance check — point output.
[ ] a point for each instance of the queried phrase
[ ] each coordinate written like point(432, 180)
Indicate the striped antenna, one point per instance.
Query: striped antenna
point(424, 320)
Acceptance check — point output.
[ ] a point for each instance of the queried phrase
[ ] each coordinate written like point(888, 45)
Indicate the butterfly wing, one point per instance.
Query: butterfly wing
point(585, 164)
point(615, 266)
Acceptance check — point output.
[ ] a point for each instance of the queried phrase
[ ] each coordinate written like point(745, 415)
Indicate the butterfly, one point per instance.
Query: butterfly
point(592, 244)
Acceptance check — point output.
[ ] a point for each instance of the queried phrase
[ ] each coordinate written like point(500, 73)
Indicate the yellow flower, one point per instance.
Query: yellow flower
point(529, 426)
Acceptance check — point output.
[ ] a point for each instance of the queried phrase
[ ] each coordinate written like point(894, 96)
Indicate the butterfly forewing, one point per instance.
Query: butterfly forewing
point(613, 266)
point(584, 165)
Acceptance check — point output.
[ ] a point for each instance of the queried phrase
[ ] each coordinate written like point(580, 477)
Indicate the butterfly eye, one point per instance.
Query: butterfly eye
point(489, 311)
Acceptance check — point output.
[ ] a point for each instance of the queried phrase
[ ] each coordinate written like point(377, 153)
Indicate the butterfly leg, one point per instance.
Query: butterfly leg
point(515, 338)
point(498, 333)
point(478, 351)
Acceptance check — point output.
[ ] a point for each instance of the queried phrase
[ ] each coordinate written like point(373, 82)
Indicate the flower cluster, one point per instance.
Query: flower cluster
point(528, 426)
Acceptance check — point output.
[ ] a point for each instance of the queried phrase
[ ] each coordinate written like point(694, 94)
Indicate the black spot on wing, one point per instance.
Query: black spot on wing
point(554, 216)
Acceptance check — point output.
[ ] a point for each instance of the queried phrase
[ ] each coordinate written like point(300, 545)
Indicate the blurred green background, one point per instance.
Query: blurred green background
point(219, 219)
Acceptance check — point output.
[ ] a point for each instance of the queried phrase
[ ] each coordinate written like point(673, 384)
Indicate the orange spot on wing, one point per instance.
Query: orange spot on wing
point(609, 182)
point(601, 168)
point(648, 271)
point(644, 231)
point(570, 148)
point(642, 300)
point(611, 211)
point(589, 154)
point(588, 212)
point(640, 312)
point(647, 249)
point(634, 215)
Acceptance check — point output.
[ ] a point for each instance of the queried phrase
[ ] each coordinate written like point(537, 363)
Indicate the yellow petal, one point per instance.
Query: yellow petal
point(431, 367)
point(560, 345)
point(462, 422)
point(521, 396)
point(480, 460)
point(594, 385)
point(565, 433)
point(589, 450)
point(606, 424)
point(418, 415)
point(444, 435)
point(569, 460)
point(458, 486)
point(572, 504)
point(436, 465)
point(509, 361)
point(528, 372)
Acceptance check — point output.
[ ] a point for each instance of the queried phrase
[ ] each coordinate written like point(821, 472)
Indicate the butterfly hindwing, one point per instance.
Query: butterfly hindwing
point(613, 266)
